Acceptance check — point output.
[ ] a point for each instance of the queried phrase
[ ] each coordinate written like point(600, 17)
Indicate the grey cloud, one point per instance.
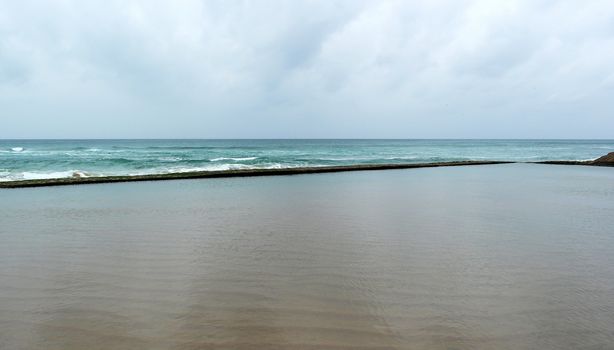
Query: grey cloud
point(306, 69)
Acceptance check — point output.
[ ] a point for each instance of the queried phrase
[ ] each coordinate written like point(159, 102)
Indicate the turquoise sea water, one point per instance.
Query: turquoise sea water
point(43, 159)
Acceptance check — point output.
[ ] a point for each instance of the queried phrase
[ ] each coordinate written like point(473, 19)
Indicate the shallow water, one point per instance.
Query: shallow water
point(44, 159)
point(512, 256)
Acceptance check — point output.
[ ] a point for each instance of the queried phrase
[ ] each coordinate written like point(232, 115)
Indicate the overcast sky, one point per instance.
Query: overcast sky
point(321, 69)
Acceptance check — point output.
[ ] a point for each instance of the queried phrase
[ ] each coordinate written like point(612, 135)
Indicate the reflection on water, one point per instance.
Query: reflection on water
point(507, 257)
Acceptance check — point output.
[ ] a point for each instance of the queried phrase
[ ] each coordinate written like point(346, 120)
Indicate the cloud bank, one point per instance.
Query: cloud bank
point(285, 69)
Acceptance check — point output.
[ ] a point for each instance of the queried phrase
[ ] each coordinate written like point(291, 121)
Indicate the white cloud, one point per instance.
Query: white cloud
point(306, 69)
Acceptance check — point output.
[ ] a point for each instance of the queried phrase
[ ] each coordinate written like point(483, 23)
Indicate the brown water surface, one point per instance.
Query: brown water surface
point(511, 256)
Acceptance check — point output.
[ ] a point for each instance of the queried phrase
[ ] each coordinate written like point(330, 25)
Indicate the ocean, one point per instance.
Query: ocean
point(46, 159)
point(508, 256)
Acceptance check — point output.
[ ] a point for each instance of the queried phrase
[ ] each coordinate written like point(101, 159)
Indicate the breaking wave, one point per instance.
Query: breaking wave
point(233, 159)
point(27, 175)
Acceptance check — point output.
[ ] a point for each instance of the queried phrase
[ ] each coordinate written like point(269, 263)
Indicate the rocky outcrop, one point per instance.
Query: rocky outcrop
point(607, 159)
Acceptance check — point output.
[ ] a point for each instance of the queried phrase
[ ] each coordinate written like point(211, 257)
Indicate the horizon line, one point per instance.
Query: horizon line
point(304, 139)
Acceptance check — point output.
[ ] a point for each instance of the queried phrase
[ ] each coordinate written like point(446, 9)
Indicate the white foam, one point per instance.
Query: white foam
point(233, 159)
point(27, 175)
point(170, 159)
point(80, 174)
point(401, 158)
point(211, 168)
point(17, 149)
point(32, 175)
point(220, 167)
point(344, 158)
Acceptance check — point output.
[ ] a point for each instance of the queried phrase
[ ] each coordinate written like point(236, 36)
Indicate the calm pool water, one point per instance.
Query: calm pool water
point(514, 256)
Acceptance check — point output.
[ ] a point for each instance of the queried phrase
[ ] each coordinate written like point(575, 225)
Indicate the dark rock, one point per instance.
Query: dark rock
point(607, 159)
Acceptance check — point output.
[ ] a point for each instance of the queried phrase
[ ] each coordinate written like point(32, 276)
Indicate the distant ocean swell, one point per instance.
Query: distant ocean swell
point(47, 159)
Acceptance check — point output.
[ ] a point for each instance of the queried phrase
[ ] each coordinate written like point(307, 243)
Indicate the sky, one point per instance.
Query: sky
point(306, 69)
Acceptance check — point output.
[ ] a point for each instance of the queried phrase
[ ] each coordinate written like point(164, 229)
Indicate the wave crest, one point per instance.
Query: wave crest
point(27, 175)
point(233, 159)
